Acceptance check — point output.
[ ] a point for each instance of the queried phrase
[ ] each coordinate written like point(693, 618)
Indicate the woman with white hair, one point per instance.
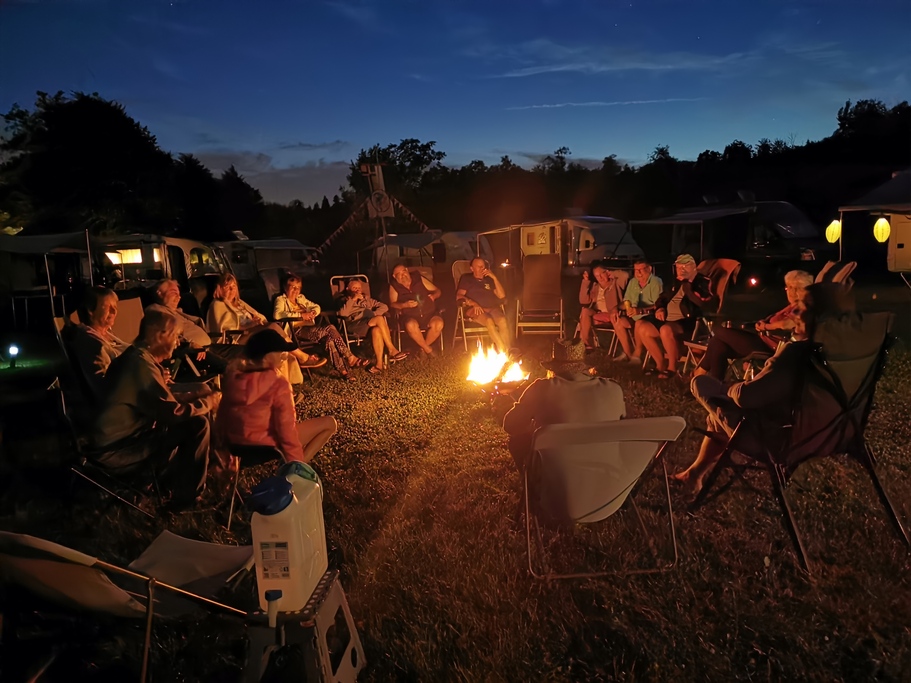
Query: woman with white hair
point(728, 343)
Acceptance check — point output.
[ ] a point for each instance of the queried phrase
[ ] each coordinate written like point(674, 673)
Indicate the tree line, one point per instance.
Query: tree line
point(79, 161)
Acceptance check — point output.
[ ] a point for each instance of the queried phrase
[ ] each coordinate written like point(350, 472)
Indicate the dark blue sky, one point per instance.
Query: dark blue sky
point(290, 91)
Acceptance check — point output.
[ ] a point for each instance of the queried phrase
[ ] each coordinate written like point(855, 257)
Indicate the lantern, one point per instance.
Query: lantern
point(833, 232)
point(881, 229)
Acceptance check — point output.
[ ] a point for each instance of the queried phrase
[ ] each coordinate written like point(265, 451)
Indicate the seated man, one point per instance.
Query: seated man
point(728, 342)
point(771, 392)
point(365, 315)
point(642, 292)
point(600, 305)
point(570, 393)
point(482, 296)
point(91, 343)
point(414, 297)
point(141, 422)
point(675, 316)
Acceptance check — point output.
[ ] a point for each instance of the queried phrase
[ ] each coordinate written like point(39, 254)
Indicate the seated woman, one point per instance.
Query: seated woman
point(294, 306)
point(365, 314)
point(229, 312)
point(257, 408)
point(728, 343)
point(92, 343)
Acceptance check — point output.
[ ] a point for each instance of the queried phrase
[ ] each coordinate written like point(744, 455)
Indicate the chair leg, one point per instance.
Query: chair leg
point(869, 463)
point(108, 491)
point(234, 495)
point(776, 473)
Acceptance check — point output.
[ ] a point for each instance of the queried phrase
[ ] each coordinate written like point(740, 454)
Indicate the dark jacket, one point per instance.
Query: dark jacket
point(696, 295)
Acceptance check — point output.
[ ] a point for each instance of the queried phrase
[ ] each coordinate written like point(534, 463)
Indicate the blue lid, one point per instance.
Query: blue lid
point(274, 594)
point(298, 469)
point(270, 496)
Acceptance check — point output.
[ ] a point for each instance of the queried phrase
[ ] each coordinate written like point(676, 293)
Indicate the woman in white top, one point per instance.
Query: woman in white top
point(294, 306)
point(229, 312)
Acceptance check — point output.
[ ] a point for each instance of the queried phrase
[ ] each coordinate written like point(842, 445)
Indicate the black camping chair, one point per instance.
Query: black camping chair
point(829, 414)
point(248, 456)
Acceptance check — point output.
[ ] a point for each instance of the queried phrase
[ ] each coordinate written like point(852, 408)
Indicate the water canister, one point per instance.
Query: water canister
point(278, 547)
point(309, 494)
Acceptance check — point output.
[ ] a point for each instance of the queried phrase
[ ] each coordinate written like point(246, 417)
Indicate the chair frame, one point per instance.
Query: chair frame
point(254, 455)
point(531, 519)
point(468, 328)
point(776, 463)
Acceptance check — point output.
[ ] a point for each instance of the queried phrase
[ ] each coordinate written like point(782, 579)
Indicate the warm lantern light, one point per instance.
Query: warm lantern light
point(833, 232)
point(881, 229)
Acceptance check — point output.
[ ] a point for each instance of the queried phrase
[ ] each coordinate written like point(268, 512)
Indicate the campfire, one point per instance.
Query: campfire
point(493, 372)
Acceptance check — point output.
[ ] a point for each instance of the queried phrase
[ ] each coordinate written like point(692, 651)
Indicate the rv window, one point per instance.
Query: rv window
point(587, 244)
point(240, 256)
point(530, 239)
point(201, 262)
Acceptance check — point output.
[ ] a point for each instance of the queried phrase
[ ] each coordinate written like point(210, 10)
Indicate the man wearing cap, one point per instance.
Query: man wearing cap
point(140, 421)
point(257, 408)
point(571, 392)
point(676, 313)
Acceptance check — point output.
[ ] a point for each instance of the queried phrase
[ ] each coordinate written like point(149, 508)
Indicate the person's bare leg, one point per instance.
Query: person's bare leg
point(376, 337)
point(434, 330)
point(637, 339)
point(671, 346)
point(494, 333)
point(314, 433)
point(621, 329)
point(414, 331)
point(382, 325)
point(710, 452)
point(585, 325)
point(503, 327)
point(651, 340)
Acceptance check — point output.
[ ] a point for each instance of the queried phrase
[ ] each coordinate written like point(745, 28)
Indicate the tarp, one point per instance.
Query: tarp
point(786, 217)
point(695, 217)
point(417, 240)
point(893, 195)
point(44, 244)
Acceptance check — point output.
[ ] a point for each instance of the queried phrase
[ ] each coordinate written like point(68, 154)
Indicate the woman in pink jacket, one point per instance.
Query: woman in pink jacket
point(257, 407)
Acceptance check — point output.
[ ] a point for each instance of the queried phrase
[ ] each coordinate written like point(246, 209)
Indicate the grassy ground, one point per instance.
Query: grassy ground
point(421, 505)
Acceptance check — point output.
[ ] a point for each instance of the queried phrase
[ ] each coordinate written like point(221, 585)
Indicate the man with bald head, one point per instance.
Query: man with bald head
point(415, 297)
point(481, 296)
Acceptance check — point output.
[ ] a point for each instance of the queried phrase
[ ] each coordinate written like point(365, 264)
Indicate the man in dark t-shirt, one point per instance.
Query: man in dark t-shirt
point(481, 295)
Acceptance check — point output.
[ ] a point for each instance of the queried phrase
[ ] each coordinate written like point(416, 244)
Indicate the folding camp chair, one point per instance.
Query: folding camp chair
point(584, 472)
point(838, 272)
point(621, 278)
point(248, 456)
point(829, 414)
point(349, 329)
point(425, 272)
point(721, 272)
point(540, 308)
point(464, 327)
point(78, 581)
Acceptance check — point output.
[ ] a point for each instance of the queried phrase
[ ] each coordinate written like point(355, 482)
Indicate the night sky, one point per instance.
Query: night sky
point(289, 92)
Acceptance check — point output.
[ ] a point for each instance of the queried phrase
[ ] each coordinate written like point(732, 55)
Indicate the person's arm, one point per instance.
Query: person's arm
point(585, 297)
point(282, 423)
point(497, 287)
point(699, 291)
point(631, 294)
point(220, 318)
point(157, 402)
point(394, 299)
point(377, 306)
point(258, 317)
point(434, 293)
point(311, 306)
point(282, 309)
point(774, 385)
point(349, 308)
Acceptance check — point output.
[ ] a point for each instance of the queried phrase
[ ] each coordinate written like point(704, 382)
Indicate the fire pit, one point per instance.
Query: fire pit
point(494, 374)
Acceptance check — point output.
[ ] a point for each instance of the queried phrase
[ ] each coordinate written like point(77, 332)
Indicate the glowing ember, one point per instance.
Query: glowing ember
point(488, 366)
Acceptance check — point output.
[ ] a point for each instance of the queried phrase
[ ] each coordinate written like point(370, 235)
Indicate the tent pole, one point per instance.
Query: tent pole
point(385, 246)
point(88, 251)
point(50, 287)
point(841, 233)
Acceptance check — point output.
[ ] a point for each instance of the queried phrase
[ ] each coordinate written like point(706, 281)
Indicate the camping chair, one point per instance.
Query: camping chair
point(465, 328)
point(583, 472)
point(540, 308)
point(621, 278)
point(248, 456)
point(425, 272)
point(838, 272)
point(348, 327)
point(835, 392)
point(721, 272)
point(180, 567)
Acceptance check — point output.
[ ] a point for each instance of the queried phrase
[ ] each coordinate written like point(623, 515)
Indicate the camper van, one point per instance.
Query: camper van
point(432, 248)
point(137, 261)
point(580, 240)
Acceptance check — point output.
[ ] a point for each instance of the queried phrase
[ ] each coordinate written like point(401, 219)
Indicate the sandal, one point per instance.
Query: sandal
point(665, 374)
point(348, 377)
point(373, 370)
point(401, 355)
point(359, 362)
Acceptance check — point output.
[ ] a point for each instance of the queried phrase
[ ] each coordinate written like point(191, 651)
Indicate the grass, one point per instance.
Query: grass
point(421, 506)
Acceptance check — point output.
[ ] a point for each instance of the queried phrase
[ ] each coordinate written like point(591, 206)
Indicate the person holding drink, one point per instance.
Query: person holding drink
point(639, 300)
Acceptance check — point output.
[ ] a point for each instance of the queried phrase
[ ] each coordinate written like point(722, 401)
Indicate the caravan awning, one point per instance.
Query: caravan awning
point(695, 217)
point(44, 244)
point(415, 240)
point(893, 195)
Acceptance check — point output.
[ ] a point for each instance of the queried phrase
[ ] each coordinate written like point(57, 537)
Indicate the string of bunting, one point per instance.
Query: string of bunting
point(408, 214)
point(338, 231)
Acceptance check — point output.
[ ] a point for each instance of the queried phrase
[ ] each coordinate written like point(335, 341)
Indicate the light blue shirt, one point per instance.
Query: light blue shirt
point(642, 297)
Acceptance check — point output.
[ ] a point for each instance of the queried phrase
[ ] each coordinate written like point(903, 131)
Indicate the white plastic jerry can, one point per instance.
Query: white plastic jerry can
point(309, 494)
point(278, 548)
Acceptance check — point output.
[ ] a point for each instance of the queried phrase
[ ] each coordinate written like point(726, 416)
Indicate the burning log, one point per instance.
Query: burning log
point(493, 372)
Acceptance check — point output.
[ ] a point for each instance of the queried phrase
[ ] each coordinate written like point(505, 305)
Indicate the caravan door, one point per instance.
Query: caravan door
point(540, 239)
point(898, 257)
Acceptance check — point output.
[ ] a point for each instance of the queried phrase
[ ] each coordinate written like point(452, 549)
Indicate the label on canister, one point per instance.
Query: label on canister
point(275, 558)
